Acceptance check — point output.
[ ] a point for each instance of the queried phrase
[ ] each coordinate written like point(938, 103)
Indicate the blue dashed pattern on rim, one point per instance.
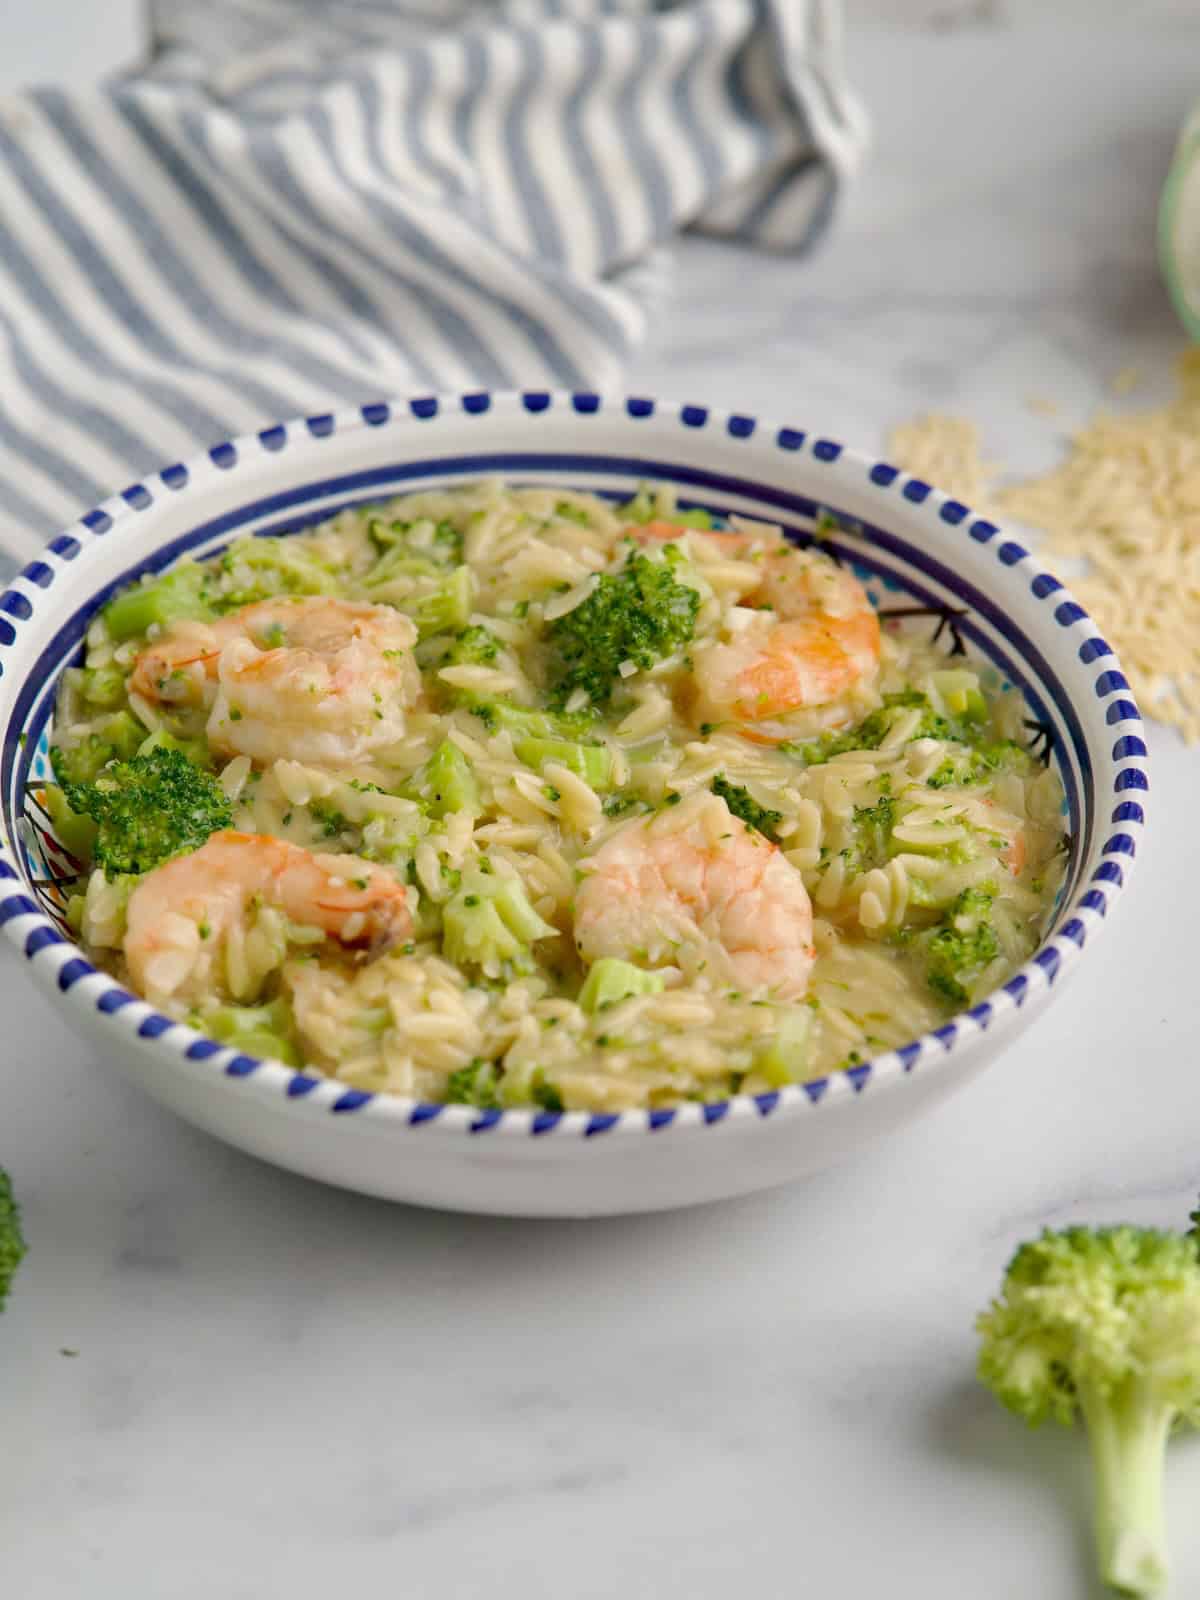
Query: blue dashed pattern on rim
point(42, 943)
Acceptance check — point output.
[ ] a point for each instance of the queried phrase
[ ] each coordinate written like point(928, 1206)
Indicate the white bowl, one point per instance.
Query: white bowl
point(995, 596)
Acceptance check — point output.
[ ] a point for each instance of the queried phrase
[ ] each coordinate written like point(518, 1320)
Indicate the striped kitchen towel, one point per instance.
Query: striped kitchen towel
point(295, 203)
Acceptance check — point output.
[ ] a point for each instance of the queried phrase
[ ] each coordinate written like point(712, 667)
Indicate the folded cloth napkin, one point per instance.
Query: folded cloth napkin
point(299, 202)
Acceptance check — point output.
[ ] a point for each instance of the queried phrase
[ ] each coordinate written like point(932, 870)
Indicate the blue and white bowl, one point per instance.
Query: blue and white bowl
point(906, 535)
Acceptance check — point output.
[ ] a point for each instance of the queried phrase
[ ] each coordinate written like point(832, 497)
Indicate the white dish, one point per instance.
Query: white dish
point(986, 587)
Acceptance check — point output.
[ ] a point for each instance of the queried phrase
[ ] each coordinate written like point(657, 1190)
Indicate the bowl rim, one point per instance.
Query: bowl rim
point(64, 967)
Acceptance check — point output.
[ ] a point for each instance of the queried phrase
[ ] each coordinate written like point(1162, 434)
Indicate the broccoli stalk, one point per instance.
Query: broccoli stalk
point(12, 1241)
point(637, 615)
point(445, 783)
point(445, 607)
point(148, 809)
point(118, 738)
point(186, 591)
point(489, 923)
point(610, 981)
point(1105, 1323)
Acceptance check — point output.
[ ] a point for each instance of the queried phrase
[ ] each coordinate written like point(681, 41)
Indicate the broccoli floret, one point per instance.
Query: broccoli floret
point(475, 646)
point(118, 738)
point(1104, 1323)
point(544, 1093)
point(474, 1085)
point(259, 569)
point(437, 544)
point(12, 1240)
point(874, 728)
point(489, 923)
point(874, 825)
point(149, 809)
point(959, 950)
point(610, 980)
point(639, 614)
point(743, 804)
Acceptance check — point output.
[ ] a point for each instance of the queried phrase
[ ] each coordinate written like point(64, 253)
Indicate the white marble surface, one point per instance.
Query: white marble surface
point(272, 1388)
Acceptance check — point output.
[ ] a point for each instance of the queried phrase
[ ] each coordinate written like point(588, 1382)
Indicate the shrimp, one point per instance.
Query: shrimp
point(698, 889)
point(183, 917)
point(307, 679)
point(806, 637)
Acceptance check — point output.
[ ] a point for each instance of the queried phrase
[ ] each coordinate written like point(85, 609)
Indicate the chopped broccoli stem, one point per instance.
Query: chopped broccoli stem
point(610, 981)
point(743, 804)
point(785, 1058)
point(445, 783)
point(149, 809)
point(645, 507)
point(74, 832)
point(117, 739)
point(527, 723)
point(1104, 1323)
point(639, 614)
point(12, 1240)
point(185, 591)
point(445, 608)
point(489, 923)
point(255, 1030)
point(592, 762)
point(103, 687)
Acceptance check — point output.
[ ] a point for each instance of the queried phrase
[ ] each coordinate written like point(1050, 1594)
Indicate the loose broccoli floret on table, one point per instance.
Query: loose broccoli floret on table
point(12, 1240)
point(1104, 1324)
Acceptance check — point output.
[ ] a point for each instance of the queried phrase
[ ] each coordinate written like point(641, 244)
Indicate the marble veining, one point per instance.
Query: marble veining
point(281, 1389)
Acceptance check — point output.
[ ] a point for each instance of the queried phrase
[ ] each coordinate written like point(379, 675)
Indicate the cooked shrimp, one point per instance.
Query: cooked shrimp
point(806, 636)
point(183, 917)
point(698, 889)
point(299, 678)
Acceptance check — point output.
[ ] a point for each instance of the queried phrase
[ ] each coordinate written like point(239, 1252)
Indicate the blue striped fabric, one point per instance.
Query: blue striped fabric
point(296, 202)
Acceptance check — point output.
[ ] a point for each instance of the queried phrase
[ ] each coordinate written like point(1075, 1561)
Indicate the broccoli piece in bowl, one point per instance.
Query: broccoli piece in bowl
point(148, 809)
point(638, 615)
point(489, 924)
